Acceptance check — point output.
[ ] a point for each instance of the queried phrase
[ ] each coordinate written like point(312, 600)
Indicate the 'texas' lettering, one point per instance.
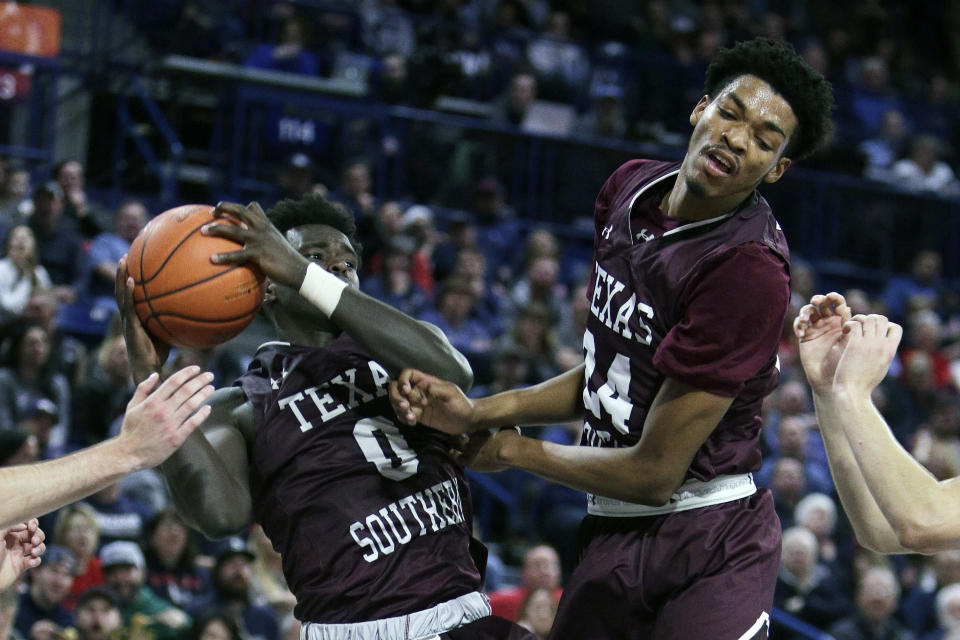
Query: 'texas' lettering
point(606, 297)
point(328, 406)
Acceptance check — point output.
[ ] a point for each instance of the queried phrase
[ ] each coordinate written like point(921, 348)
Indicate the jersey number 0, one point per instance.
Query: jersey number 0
point(384, 446)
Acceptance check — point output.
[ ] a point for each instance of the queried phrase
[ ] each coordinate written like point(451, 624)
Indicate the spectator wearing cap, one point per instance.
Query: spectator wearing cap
point(20, 275)
point(232, 576)
point(296, 177)
point(418, 223)
point(39, 419)
point(605, 116)
point(59, 241)
point(76, 529)
point(17, 447)
point(124, 571)
point(97, 615)
point(41, 606)
point(99, 272)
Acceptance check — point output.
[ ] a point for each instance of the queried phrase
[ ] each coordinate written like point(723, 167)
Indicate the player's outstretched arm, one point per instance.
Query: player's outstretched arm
point(819, 329)
point(680, 420)
point(157, 421)
point(393, 338)
point(419, 397)
point(921, 510)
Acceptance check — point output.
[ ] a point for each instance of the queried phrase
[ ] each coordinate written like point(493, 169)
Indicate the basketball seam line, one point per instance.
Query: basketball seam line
point(169, 255)
point(185, 287)
point(200, 320)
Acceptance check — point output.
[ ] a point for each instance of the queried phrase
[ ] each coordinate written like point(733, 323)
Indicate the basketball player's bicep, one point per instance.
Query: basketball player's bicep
point(227, 429)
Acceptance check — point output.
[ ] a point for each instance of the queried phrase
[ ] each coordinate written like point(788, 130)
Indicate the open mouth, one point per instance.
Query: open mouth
point(720, 163)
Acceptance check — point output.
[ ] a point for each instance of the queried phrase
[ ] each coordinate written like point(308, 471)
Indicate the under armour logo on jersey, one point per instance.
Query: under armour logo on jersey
point(643, 235)
point(275, 382)
point(606, 232)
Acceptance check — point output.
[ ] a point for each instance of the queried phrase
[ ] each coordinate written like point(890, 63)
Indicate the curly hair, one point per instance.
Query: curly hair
point(314, 209)
point(777, 63)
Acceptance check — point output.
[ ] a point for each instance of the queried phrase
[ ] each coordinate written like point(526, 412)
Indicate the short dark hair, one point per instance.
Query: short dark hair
point(777, 63)
point(314, 209)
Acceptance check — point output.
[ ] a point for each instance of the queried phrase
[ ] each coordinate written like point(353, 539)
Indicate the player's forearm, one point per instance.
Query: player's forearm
point(35, 489)
point(556, 400)
point(869, 524)
point(396, 340)
point(610, 472)
point(920, 510)
point(204, 492)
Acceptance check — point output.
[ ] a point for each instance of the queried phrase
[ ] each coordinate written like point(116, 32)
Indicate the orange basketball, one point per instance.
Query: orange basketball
point(180, 296)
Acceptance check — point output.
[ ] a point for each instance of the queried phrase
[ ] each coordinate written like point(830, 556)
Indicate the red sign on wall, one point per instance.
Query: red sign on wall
point(31, 30)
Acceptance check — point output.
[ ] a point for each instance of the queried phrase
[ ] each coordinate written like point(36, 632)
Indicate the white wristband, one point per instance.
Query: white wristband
point(322, 288)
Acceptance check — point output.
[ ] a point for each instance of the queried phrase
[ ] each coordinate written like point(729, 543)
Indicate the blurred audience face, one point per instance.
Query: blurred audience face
point(523, 91)
point(234, 575)
point(96, 619)
point(50, 584)
point(18, 184)
point(131, 218)
point(799, 552)
point(35, 348)
point(42, 310)
point(543, 274)
point(356, 179)
point(878, 595)
point(456, 305)
point(793, 434)
point(926, 266)
point(792, 398)
point(22, 248)
point(70, 176)
point(539, 612)
point(858, 301)
point(788, 480)
point(541, 568)
point(125, 580)
point(80, 535)
point(390, 218)
point(215, 630)
point(169, 539)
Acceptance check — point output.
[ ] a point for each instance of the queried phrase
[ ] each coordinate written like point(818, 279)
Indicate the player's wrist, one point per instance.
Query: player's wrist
point(321, 288)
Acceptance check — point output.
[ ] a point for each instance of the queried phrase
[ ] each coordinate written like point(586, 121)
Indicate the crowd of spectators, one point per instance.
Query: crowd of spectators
point(512, 297)
point(613, 69)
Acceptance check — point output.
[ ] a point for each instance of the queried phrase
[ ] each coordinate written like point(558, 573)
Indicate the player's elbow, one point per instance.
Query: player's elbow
point(918, 536)
point(654, 491)
point(219, 526)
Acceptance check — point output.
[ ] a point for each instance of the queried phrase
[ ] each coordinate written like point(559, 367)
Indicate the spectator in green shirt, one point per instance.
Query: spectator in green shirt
point(124, 572)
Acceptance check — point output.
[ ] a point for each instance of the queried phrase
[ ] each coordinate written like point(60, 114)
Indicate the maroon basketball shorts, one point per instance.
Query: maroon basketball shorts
point(702, 573)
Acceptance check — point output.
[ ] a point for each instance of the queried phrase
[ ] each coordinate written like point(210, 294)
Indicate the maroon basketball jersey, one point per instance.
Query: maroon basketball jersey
point(372, 518)
point(651, 276)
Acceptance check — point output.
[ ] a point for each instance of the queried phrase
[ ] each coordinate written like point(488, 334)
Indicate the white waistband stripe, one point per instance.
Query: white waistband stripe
point(420, 625)
point(692, 494)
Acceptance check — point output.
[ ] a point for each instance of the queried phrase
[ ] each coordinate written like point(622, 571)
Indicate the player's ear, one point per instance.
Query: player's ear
point(698, 110)
point(778, 170)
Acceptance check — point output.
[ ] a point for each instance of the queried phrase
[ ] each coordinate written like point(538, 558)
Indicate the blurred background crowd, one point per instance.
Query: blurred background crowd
point(450, 239)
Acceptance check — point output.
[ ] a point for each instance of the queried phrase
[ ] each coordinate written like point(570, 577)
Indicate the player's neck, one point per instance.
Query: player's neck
point(681, 202)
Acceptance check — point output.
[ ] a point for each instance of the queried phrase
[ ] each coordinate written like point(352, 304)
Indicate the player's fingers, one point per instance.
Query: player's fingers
point(231, 257)
point(193, 421)
point(877, 324)
point(256, 211)
point(232, 209)
point(194, 402)
point(403, 380)
point(144, 389)
point(180, 377)
point(191, 387)
point(38, 550)
point(853, 328)
point(224, 230)
point(894, 332)
point(32, 562)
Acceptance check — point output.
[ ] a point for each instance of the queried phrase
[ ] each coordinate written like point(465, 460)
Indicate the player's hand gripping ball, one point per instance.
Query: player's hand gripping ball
point(180, 296)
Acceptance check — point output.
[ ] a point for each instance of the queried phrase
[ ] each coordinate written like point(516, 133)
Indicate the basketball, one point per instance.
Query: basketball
point(180, 296)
